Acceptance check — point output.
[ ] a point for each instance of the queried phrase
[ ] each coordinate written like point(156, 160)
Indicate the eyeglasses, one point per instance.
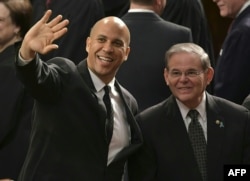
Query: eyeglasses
point(189, 73)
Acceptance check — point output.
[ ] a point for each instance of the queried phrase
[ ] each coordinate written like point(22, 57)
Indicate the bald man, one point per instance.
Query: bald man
point(69, 139)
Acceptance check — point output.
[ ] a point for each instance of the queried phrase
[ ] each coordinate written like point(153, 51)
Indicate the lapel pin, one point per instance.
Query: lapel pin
point(220, 123)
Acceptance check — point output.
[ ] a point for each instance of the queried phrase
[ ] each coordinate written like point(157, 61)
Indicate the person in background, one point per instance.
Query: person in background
point(232, 76)
point(73, 136)
point(15, 105)
point(190, 13)
point(151, 36)
point(192, 134)
point(82, 15)
point(115, 8)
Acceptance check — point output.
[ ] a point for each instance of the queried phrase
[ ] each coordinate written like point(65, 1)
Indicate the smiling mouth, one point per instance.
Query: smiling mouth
point(105, 59)
point(184, 89)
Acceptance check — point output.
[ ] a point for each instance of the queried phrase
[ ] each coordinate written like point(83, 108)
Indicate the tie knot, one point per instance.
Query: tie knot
point(106, 89)
point(193, 114)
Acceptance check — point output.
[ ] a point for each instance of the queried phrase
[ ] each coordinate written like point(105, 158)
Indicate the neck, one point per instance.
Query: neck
point(10, 42)
point(137, 6)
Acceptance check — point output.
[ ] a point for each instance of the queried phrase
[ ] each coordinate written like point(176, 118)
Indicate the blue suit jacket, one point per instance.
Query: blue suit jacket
point(68, 134)
point(167, 153)
point(232, 75)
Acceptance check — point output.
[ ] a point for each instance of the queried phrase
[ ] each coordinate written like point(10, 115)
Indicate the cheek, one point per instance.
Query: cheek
point(117, 64)
point(171, 83)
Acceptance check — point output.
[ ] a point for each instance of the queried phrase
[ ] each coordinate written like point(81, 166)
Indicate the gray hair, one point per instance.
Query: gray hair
point(189, 48)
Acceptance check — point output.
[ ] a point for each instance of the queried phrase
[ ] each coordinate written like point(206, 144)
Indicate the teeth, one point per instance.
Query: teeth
point(105, 59)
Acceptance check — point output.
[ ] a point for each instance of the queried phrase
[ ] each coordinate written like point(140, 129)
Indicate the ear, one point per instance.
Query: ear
point(126, 54)
point(17, 30)
point(210, 75)
point(166, 76)
point(88, 41)
point(158, 6)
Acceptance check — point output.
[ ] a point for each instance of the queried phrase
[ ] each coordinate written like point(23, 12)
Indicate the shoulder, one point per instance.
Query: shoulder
point(127, 95)
point(61, 63)
point(155, 112)
point(174, 26)
point(246, 102)
point(129, 98)
point(227, 107)
point(242, 23)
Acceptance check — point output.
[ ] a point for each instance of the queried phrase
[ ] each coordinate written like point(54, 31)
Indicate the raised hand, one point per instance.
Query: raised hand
point(41, 36)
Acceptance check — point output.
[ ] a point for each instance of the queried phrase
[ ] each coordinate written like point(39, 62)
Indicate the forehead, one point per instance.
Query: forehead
point(184, 59)
point(114, 29)
point(4, 11)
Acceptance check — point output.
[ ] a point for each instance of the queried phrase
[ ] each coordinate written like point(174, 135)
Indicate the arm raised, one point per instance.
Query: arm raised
point(41, 36)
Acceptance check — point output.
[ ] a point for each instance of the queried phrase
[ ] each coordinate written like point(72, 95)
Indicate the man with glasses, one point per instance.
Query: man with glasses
point(192, 134)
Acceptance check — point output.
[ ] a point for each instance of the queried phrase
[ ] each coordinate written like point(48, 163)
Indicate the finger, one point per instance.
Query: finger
point(60, 26)
point(50, 47)
point(55, 21)
point(46, 16)
point(59, 33)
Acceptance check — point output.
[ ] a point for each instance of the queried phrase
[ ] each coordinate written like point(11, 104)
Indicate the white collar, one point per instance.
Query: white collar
point(140, 11)
point(247, 3)
point(201, 108)
point(98, 83)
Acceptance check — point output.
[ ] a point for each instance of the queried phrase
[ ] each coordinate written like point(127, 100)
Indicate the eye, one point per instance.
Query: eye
point(175, 73)
point(118, 43)
point(101, 40)
point(192, 73)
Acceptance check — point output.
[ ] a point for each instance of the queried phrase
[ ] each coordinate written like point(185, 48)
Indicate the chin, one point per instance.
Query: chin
point(184, 98)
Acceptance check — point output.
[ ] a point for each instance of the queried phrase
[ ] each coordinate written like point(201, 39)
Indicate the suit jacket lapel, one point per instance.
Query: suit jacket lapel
point(176, 130)
point(84, 72)
point(215, 133)
point(136, 136)
point(90, 88)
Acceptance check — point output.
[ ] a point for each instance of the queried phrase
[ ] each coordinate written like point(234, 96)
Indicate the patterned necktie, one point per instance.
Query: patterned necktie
point(198, 142)
point(110, 115)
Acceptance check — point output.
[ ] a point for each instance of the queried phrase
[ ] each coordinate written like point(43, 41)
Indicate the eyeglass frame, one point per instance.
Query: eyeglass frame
point(188, 73)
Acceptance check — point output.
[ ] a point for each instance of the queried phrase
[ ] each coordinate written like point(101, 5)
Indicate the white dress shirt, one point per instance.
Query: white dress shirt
point(202, 118)
point(121, 132)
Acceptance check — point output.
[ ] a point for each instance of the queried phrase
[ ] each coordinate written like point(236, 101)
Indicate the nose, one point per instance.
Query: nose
point(107, 47)
point(183, 77)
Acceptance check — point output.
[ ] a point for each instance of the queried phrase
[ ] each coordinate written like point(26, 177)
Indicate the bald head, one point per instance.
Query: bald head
point(115, 24)
point(107, 47)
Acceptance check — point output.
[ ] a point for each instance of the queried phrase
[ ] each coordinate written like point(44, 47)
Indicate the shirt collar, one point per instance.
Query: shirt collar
point(201, 108)
point(247, 3)
point(98, 83)
point(140, 10)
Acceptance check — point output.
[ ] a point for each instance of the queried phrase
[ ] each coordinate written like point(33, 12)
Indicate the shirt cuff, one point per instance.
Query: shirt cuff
point(21, 61)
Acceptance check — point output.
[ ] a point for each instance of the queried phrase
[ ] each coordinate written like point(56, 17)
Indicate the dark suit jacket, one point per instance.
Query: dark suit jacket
point(246, 102)
point(232, 75)
point(167, 153)
point(15, 117)
point(115, 8)
point(190, 13)
point(68, 137)
point(142, 73)
point(82, 15)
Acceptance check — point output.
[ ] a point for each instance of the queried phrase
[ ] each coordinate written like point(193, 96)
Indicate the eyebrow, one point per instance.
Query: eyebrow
point(115, 40)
